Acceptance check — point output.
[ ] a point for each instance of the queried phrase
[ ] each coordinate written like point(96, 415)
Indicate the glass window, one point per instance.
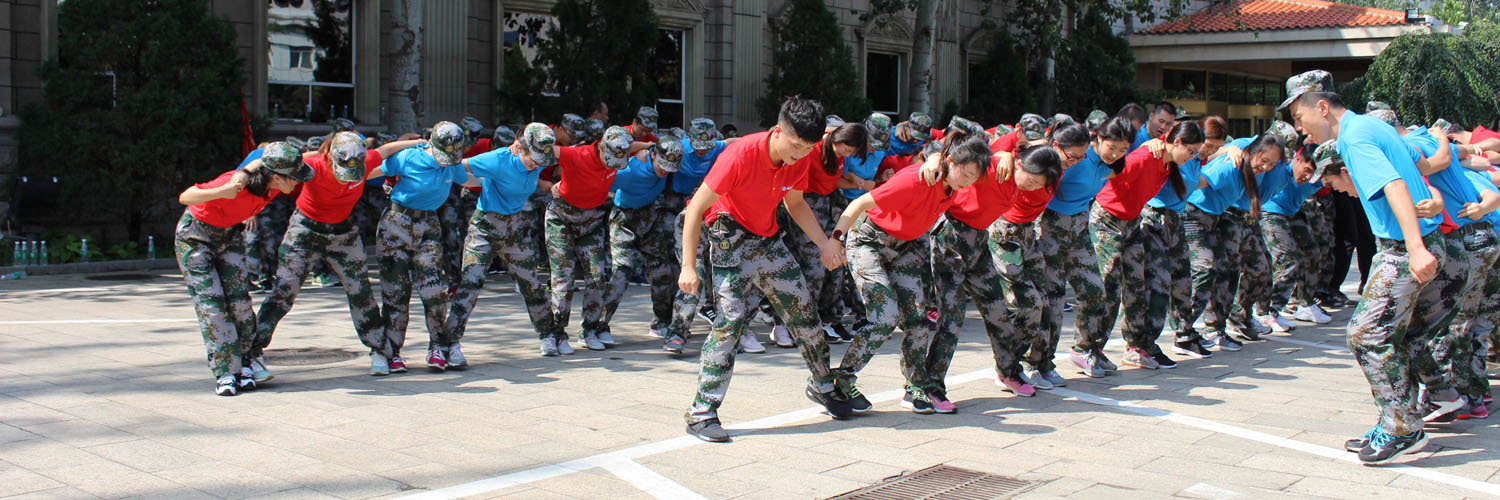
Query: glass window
point(1191, 83)
point(665, 71)
point(1237, 89)
point(1220, 87)
point(310, 63)
point(883, 82)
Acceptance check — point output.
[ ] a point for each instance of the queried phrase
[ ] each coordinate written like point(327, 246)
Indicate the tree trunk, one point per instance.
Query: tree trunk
point(920, 95)
point(406, 65)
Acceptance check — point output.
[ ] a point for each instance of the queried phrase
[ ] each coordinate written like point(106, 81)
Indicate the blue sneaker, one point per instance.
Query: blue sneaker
point(1356, 444)
point(1383, 448)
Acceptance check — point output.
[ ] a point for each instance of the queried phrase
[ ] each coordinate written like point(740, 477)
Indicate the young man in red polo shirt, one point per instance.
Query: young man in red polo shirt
point(739, 197)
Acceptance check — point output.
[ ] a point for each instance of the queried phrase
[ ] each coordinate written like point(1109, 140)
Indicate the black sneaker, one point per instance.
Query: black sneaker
point(1383, 448)
point(708, 430)
point(1191, 347)
point(831, 335)
point(917, 403)
point(1161, 359)
point(709, 314)
point(848, 335)
point(842, 331)
point(857, 401)
point(836, 408)
point(1356, 444)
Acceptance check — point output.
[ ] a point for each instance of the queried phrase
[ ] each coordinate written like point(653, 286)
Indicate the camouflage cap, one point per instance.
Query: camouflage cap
point(879, 126)
point(502, 137)
point(574, 125)
point(1311, 81)
point(593, 129)
point(1385, 115)
point(1325, 156)
point(919, 125)
point(296, 142)
point(1288, 135)
point(312, 143)
point(701, 134)
point(965, 125)
point(342, 124)
point(834, 121)
point(1182, 114)
point(676, 133)
point(667, 155)
point(614, 148)
point(1442, 125)
point(541, 143)
point(1095, 119)
point(1060, 120)
point(647, 116)
point(1377, 105)
point(384, 138)
point(1033, 128)
point(284, 159)
point(348, 155)
point(472, 127)
point(447, 143)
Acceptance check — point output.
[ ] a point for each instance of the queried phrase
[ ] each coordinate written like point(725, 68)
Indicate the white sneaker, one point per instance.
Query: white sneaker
point(1311, 314)
point(225, 386)
point(1036, 379)
point(1285, 323)
point(750, 344)
point(592, 342)
point(564, 348)
point(762, 317)
point(380, 366)
point(606, 339)
point(1272, 323)
point(549, 347)
point(782, 337)
point(258, 368)
point(456, 357)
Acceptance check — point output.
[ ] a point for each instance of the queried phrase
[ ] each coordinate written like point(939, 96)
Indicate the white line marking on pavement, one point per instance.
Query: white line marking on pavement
point(151, 320)
point(648, 480)
point(131, 289)
point(1205, 490)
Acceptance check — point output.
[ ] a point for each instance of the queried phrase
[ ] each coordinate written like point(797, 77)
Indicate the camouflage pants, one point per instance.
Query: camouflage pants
point(685, 306)
point(1017, 258)
point(1393, 323)
point(366, 214)
point(1068, 254)
point(1290, 244)
point(261, 243)
point(891, 276)
point(1482, 327)
point(1318, 213)
point(454, 215)
point(743, 261)
point(1122, 266)
point(491, 235)
point(536, 215)
point(825, 285)
point(961, 264)
point(638, 237)
point(1209, 238)
point(343, 251)
point(578, 236)
point(409, 243)
point(1450, 353)
point(212, 261)
point(847, 295)
point(1250, 280)
point(1169, 275)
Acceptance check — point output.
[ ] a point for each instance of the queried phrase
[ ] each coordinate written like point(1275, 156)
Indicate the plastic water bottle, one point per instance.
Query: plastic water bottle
point(151, 247)
point(83, 250)
point(16, 255)
point(25, 253)
point(44, 260)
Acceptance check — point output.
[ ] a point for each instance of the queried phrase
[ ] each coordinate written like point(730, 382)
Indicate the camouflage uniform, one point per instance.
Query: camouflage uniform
point(891, 276)
point(342, 249)
point(454, 215)
point(1209, 238)
point(1248, 280)
point(536, 217)
point(1453, 354)
point(744, 261)
point(578, 236)
point(1068, 257)
point(261, 243)
point(685, 306)
point(1483, 329)
point(493, 234)
point(639, 237)
point(1122, 267)
point(212, 260)
point(1318, 213)
point(962, 264)
point(1169, 275)
point(1017, 258)
point(842, 280)
point(1287, 238)
point(410, 246)
point(820, 281)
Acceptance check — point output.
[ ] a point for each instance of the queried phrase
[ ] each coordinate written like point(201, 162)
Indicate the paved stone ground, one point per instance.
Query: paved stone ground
point(104, 393)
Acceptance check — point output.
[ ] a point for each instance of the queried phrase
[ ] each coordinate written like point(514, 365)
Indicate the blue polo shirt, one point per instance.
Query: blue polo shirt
point(1289, 201)
point(903, 148)
point(1167, 198)
point(1079, 184)
point(1268, 184)
point(1375, 157)
point(1141, 136)
point(1225, 186)
point(1456, 188)
point(1481, 183)
point(423, 185)
point(506, 182)
point(694, 167)
point(865, 168)
point(637, 185)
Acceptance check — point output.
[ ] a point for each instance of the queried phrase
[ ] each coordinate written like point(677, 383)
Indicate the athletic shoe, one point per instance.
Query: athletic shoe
point(1251, 332)
point(783, 338)
point(830, 333)
point(1281, 320)
point(379, 365)
point(226, 386)
point(456, 359)
point(1273, 322)
point(674, 345)
point(1054, 378)
point(606, 338)
point(564, 348)
point(1487, 399)
point(1311, 314)
point(258, 368)
point(750, 344)
point(1036, 379)
point(326, 280)
point(1442, 407)
point(1191, 348)
point(246, 380)
point(940, 403)
point(1104, 362)
point(1205, 342)
point(764, 318)
point(1068, 306)
point(1478, 410)
point(1356, 444)
point(708, 313)
point(591, 341)
point(1383, 448)
point(549, 347)
point(1228, 344)
point(848, 335)
point(932, 317)
point(656, 332)
point(1330, 303)
point(917, 403)
point(1139, 358)
point(850, 393)
point(639, 281)
point(1085, 362)
point(708, 430)
point(436, 361)
point(836, 408)
point(398, 365)
point(1015, 386)
point(1463, 412)
point(1162, 360)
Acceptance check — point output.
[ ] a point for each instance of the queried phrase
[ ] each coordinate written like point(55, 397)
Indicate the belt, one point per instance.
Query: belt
point(396, 207)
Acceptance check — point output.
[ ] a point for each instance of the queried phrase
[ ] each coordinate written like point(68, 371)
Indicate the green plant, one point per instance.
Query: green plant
point(1430, 76)
point(1095, 68)
point(810, 59)
point(1000, 89)
point(124, 250)
point(67, 248)
point(598, 50)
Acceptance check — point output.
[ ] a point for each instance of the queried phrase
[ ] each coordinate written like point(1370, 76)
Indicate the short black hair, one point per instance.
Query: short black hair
point(1312, 98)
point(803, 116)
point(1133, 112)
point(1165, 107)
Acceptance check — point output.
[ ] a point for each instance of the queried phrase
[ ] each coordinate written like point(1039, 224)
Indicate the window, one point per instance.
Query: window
point(1190, 83)
point(883, 82)
point(665, 70)
point(310, 65)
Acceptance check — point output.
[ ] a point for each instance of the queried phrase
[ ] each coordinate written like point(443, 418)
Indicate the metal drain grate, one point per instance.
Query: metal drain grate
point(942, 482)
point(308, 356)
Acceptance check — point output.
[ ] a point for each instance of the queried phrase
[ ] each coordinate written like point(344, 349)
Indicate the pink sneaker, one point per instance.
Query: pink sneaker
point(1479, 411)
point(940, 402)
point(1016, 386)
point(397, 365)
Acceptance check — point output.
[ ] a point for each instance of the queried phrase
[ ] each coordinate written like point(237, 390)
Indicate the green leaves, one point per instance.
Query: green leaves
point(1430, 76)
point(812, 60)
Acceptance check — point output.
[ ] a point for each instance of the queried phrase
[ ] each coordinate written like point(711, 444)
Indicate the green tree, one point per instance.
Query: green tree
point(1430, 76)
point(999, 86)
point(135, 108)
point(1097, 65)
point(599, 50)
point(812, 60)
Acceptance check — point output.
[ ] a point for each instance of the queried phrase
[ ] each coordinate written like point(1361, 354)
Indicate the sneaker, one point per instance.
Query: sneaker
point(1463, 412)
point(708, 430)
point(708, 313)
point(1442, 407)
point(783, 338)
point(1285, 323)
point(1015, 386)
point(656, 332)
point(1383, 448)
point(673, 345)
point(1068, 306)
point(246, 380)
point(830, 333)
point(1054, 378)
point(1487, 399)
point(606, 338)
point(1162, 360)
point(1036, 380)
point(1191, 348)
point(1477, 409)
point(398, 365)
point(436, 361)
point(456, 359)
point(258, 369)
point(379, 365)
point(1206, 343)
point(750, 344)
point(1319, 315)
point(940, 403)
point(1086, 362)
point(917, 403)
point(1356, 444)
point(564, 348)
point(857, 400)
point(1306, 314)
point(328, 281)
point(836, 408)
point(1270, 321)
point(1104, 362)
point(1330, 303)
point(225, 386)
point(549, 347)
point(764, 318)
point(848, 334)
point(591, 341)
point(932, 317)
point(1139, 358)
point(1228, 344)
point(1251, 332)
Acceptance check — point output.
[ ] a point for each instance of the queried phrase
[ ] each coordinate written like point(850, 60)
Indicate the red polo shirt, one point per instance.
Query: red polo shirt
point(226, 212)
point(585, 180)
point(1143, 176)
point(750, 186)
point(324, 198)
point(906, 207)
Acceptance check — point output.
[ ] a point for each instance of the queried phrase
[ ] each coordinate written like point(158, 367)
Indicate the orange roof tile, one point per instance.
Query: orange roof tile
point(1263, 15)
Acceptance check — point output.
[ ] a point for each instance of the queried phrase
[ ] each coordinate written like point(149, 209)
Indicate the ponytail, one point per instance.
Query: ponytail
point(259, 182)
point(1189, 132)
point(1265, 142)
point(851, 134)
